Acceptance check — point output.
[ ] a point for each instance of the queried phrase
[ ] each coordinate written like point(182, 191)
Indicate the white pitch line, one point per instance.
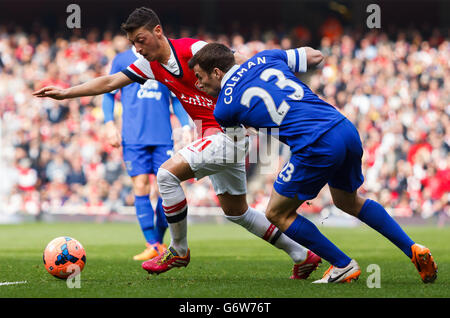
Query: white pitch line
point(13, 283)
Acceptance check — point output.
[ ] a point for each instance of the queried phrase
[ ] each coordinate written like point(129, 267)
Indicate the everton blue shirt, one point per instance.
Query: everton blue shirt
point(264, 92)
point(145, 108)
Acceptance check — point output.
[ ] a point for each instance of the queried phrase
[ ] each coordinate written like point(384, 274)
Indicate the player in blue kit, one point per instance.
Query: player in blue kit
point(325, 149)
point(147, 143)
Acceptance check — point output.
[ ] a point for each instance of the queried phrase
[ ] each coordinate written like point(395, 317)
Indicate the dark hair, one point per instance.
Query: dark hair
point(141, 17)
point(213, 55)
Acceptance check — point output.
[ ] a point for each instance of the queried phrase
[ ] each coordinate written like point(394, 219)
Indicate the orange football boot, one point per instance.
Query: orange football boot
point(151, 251)
point(424, 262)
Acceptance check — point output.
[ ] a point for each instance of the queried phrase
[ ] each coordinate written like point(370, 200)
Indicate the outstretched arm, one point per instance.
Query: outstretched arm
point(96, 86)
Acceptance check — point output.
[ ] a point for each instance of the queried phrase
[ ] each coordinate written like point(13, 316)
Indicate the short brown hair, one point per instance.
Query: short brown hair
point(141, 17)
point(213, 55)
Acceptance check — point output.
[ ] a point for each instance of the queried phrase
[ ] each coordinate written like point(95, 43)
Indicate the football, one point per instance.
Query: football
point(64, 256)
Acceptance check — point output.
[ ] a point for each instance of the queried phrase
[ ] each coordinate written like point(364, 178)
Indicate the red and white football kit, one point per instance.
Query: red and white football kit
point(216, 155)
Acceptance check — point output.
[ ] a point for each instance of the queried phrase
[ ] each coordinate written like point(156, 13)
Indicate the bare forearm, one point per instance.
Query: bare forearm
point(99, 85)
point(96, 86)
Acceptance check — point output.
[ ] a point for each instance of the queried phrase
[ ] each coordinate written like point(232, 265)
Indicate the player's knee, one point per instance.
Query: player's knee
point(141, 189)
point(233, 205)
point(166, 180)
point(141, 186)
point(274, 216)
point(280, 217)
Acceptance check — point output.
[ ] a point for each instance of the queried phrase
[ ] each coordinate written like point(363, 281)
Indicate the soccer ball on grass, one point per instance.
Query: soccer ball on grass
point(64, 256)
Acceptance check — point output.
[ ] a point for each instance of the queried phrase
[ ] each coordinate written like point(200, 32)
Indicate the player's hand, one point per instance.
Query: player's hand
point(240, 58)
point(113, 135)
point(313, 57)
point(52, 92)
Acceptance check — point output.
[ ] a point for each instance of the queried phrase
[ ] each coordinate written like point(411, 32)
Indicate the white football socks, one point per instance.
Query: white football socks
point(175, 209)
point(257, 223)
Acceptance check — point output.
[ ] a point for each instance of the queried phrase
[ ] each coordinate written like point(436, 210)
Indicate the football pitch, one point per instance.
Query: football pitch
point(226, 262)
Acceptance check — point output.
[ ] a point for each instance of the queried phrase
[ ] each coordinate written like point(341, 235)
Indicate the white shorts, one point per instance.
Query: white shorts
point(222, 159)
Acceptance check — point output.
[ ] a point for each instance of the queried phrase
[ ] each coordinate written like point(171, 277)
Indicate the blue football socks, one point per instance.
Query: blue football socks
point(145, 215)
point(161, 222)
point(307, 234)
point(375, 216)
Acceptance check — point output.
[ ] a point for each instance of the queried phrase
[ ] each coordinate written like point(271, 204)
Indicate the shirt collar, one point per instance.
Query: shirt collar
point(228, 75)
point(172, 64)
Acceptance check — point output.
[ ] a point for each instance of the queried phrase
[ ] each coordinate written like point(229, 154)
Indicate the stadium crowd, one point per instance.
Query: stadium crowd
point(395, 89)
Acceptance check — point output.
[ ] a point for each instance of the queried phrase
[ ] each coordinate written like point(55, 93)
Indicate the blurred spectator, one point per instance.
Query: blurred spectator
point(57, 168)
point(331, 29)
point(76, 174)
point(27, 176)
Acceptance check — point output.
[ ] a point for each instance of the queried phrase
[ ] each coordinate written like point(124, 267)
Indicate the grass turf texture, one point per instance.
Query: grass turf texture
point(226, 262)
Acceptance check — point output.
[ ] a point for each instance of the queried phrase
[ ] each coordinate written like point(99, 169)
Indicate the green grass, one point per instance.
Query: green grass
point(226, 262)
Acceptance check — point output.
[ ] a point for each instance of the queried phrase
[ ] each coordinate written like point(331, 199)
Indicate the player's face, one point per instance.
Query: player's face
point(209, 83)
point(146, 42)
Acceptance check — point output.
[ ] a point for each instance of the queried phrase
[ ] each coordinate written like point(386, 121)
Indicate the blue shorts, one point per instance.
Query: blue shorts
point(144, 159)
point(335, 158)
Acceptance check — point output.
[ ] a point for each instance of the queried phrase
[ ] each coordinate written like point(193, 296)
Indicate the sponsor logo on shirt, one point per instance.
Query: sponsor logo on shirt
point(149, 90)
point(197, 100)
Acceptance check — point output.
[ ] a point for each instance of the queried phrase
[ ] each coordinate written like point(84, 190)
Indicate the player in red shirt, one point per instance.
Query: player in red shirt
point(215, 154)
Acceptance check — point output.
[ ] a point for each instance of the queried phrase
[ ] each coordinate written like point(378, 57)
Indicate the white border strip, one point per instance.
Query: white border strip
point(13, 283)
